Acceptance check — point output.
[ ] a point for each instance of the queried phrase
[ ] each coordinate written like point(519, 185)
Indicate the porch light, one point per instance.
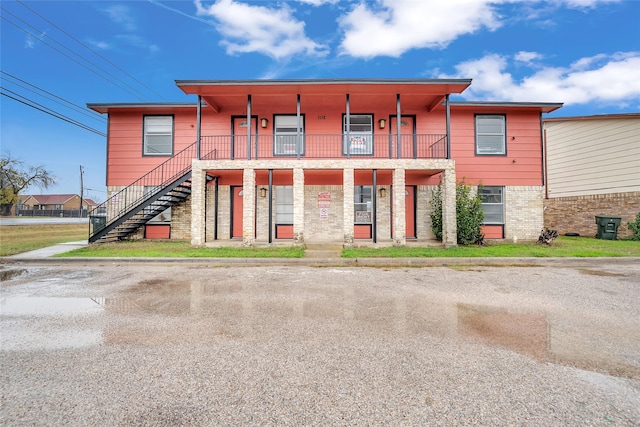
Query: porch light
point(264, 122)
point(263, 191)
point(383, 192)
point(382, 123)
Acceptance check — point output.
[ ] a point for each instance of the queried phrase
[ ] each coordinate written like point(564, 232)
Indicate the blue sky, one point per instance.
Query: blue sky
point(584, 53)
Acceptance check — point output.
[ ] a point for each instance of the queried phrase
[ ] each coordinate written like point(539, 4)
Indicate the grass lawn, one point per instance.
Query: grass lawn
point(15, 239)
point(561, 247)
point(179, 249)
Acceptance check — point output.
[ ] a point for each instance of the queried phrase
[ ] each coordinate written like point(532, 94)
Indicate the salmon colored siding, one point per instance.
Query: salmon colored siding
point(522, 164)
point(125, 161)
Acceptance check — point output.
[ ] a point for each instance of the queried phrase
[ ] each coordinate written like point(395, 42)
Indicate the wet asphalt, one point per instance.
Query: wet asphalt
point(114, 342)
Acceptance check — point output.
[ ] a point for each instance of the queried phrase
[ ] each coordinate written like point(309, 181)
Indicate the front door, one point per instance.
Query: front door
point(410, 211)
point(239, 138)
point(408, 149)
point(236, 212)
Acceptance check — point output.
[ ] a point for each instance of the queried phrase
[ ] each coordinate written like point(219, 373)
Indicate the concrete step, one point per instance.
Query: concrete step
point(323, 251)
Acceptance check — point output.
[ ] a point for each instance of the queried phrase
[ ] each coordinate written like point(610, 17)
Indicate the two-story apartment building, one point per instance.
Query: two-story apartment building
point(324, 160)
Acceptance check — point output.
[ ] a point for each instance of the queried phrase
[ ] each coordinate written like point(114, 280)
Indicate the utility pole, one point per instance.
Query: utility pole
point(81, 192)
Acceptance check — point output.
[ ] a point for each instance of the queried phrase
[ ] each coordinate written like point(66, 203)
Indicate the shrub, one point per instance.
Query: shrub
point(634, 226)
point(469, 214)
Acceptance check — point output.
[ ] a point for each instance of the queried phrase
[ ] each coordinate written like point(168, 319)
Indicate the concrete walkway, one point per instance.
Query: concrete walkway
point(49, 251)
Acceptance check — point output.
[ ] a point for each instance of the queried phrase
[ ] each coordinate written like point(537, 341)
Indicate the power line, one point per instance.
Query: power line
point(80, 109)
point(91, 50)
point(35, 105)
point(69, 57)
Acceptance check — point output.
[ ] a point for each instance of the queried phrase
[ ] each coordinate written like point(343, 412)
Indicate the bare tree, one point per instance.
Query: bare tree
point(15, 176)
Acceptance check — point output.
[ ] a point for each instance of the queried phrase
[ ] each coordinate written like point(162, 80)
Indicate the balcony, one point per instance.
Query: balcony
point(312, 146)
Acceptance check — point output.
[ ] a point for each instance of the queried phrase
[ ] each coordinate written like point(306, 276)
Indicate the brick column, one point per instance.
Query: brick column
point(249, 207)
point(298, 206)
point(449, 226)
point(198, 186)
point(347, 213)
point(399, 216)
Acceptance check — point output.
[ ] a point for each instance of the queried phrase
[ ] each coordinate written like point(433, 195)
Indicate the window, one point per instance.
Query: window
point(493, 204)
point(360, 134)
point(362, 204)
point(286, 133)
point(158, 136)
point(284, 204)
point(490, 135)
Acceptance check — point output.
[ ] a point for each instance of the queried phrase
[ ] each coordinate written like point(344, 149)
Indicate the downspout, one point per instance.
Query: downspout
point(374, 231)
point(270, 195)
point(298, 128)
point(348, 129)
point(543, 137)
point(398, 124)
point(448, 130)
point(198, 127)
point(249, 127)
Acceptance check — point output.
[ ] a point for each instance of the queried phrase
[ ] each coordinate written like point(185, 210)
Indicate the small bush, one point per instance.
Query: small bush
point(469, 214)
point(634, 226)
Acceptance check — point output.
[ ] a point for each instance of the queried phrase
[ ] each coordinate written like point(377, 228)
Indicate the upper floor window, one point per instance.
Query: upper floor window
point(491, 135)
point(286, 135)
point(493, 204)
point(360, 140)
point(158, 136)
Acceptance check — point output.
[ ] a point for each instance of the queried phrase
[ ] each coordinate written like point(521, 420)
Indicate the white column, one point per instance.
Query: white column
point(449, 226)
point(298, 206)
point(248, 207)
point(399, 220)
point(347, 215)
point(198, 204)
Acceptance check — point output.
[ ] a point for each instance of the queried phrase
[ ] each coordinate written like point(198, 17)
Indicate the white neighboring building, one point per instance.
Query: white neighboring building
point(592, 168)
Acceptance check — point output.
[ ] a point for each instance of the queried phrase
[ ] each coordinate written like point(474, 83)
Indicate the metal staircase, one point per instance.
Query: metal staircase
point(125, 211)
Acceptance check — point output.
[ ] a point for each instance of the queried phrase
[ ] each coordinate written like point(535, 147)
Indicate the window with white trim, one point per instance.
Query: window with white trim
point(360, 140)
point(362, 208)
point(158, 136)
point(284, 205)
point(491, 135)
point(286, 135)
point(493, 204)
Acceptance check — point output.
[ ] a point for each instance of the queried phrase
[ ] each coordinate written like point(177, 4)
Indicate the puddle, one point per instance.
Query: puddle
point(526, 333)
point(39, 323)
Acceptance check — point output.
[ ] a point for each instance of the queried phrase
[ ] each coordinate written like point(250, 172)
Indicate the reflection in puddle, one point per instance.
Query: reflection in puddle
point(209, 312)
point(526, 333)
point(38, 323)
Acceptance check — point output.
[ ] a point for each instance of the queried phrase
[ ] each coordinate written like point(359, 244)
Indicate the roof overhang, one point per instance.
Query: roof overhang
point(155, 107)
point(543, 107)
point(414, 93)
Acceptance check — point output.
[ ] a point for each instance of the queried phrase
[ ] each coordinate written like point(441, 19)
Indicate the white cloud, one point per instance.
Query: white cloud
point(121, 15)
point(602, 78)
point(272, 32)
point(527, 57)
point(390, 27)
point(318, 2)
point(584, 4)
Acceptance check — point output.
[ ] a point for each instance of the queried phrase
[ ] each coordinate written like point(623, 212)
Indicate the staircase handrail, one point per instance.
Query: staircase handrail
point(134, 194)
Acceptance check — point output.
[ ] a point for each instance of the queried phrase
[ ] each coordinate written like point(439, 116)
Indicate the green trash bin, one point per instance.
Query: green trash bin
point(98, 222)
point(608, 227)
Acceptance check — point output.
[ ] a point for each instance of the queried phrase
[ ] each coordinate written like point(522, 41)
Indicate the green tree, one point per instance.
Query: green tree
point(469, 214)
point(15, 176)
point(635, 228)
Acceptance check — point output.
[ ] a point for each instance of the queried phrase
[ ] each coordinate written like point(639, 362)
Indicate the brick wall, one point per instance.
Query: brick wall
point(323, 229)
point(523, 212)
point(181, 220)
point(577, 214)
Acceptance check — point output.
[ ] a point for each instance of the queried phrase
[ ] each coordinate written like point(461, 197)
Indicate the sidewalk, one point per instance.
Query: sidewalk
point(49, 251)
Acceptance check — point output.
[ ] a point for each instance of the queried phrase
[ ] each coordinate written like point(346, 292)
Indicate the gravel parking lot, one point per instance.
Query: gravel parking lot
point(186, 344)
